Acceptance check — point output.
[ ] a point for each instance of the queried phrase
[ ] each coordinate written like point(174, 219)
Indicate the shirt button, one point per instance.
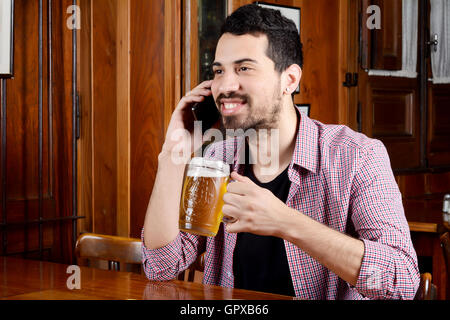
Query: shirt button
point(229, 274)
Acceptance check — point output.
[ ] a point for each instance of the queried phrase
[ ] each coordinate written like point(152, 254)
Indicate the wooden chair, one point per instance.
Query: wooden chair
point(445, 244)
point(197, 266)
point(427, 290)
point(121, 254)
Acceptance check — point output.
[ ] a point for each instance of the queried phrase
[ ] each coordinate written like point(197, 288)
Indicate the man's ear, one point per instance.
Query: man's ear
point(292, 75)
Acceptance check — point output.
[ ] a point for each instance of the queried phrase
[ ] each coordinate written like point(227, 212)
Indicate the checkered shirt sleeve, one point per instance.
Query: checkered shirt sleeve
point(389, 267)
point(167, 262)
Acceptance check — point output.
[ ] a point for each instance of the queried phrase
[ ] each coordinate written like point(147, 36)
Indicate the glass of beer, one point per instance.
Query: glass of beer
point(205, 183)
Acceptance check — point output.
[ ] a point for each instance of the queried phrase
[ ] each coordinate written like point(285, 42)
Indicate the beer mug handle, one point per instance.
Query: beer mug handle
point(226, 219)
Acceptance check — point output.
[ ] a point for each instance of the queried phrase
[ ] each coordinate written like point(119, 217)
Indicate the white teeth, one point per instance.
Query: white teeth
point(229, 105)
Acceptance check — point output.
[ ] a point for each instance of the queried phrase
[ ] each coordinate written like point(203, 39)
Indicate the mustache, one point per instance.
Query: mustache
point(221, 96)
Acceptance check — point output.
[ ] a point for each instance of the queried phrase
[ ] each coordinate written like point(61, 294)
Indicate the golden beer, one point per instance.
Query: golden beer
point(204, 185)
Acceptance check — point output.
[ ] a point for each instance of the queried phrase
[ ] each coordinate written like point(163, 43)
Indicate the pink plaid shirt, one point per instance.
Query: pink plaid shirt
point(340, 178)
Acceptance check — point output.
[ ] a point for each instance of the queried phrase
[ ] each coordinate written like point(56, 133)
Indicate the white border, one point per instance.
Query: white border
point(5, 37)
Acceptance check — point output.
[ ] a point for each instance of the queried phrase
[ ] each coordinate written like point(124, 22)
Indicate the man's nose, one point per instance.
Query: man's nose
point(229, 83)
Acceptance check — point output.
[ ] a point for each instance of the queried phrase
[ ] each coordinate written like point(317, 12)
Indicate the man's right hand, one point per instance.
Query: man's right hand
point(161, 220)
point(182, 117)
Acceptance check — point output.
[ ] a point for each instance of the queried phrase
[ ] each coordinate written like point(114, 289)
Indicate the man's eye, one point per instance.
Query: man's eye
point(217, 71)
point(243, 69)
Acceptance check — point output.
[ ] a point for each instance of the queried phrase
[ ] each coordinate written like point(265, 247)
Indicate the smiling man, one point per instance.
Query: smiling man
point(328, 223)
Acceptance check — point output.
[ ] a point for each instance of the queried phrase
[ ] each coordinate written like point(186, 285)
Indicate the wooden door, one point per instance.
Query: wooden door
point(36, 213)
point(438, 109)
point(411, 116)
point(390, 106)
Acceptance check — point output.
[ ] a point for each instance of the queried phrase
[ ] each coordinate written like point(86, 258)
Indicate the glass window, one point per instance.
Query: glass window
point(211, 16)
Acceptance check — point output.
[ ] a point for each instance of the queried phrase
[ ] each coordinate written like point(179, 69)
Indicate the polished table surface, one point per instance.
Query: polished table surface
point(22, 279)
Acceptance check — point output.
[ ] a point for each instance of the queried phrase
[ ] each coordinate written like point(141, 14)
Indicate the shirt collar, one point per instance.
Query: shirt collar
point(306, 145)
point(306, 148)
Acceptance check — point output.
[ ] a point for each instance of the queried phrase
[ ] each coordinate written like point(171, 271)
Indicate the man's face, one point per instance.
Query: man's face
point(246, 86)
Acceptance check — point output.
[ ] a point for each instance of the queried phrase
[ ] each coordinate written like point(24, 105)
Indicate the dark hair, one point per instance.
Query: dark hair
point(284, 47)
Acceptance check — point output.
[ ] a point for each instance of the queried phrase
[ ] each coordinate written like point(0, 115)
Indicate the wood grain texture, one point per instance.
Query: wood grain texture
point(34, 280)
point(391, 113)
point(386, 43)
point(104, 142)
point(172, 58)
point(85, 143)
point(134, 54)
point(123, 118)
point(22, 99)
point(423, 227)
point(22, 134)
point(62, 102)
point(190, 72)
point(423, 195)
point(438, 135)
point(320, 82)
point(147, 104)
point(194, 46)
point(104, 98)
point(120, 249)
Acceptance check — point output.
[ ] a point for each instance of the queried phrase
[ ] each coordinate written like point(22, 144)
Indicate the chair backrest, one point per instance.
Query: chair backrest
point(123, 254)
point(445, 244)
point(427, 290)
point(119, 252)
point(197, 267)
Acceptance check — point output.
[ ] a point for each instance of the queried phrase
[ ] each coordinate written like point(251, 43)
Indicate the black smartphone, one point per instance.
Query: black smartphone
point(206, 111)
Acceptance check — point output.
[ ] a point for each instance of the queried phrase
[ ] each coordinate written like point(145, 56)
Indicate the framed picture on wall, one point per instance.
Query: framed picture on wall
point(6, 38)
point(289, 12)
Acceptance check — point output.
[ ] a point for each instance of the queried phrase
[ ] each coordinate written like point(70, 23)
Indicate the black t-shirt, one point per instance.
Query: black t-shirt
point(260, 262)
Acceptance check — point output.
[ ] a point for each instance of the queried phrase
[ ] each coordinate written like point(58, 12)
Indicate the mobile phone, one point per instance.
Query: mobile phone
point(206, 111)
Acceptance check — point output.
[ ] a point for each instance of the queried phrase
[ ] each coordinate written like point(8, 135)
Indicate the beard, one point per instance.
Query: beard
point(262, 117)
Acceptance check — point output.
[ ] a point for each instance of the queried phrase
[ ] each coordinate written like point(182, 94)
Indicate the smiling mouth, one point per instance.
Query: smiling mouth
point(229, 108)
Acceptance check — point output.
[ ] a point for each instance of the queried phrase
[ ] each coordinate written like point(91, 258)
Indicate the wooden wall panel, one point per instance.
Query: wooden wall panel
point(85, 143)
point(123, 118)
point(104, 97)
point(439, 125)
point(322, 78)
point(420, 185)
point(104, 142)
point(131, 60)
point(386, 42)
point(22, 137)
point(22, 125)
point(147, 103)
point(391, 113)
point(62, 124)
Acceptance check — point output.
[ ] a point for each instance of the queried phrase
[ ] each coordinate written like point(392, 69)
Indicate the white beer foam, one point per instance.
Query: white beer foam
point(205, 172)
point(201, 167)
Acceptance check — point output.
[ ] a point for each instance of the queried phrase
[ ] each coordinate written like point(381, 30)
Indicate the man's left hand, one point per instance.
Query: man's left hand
point(250, 208)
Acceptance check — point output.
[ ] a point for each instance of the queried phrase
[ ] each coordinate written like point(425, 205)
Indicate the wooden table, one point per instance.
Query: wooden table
point(37, 280)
